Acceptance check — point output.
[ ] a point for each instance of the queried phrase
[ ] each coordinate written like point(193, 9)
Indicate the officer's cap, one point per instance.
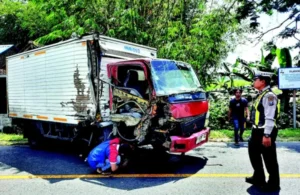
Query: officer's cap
point(262, 75)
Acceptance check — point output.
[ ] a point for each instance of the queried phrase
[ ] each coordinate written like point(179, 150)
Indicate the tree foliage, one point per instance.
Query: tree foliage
point(187, 30)
point(252, 8)
point(11, 30)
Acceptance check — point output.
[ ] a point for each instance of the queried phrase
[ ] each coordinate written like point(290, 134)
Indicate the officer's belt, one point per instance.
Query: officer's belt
point(257, 127)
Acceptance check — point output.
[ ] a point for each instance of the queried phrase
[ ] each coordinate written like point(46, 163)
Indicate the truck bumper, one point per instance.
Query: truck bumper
point(184, 144)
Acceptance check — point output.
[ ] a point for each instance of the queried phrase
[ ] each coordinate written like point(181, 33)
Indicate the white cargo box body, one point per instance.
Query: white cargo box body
point(52, 83)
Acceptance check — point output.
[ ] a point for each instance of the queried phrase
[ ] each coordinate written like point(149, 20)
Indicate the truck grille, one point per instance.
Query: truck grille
point(191, 125)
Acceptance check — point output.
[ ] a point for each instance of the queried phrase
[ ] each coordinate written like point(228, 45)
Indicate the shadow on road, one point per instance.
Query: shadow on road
point(22, 159)
point(241, 145)
point(292, 146)
point(147, 161)
point(63, 160)
point(151, 161)
point(255, 191)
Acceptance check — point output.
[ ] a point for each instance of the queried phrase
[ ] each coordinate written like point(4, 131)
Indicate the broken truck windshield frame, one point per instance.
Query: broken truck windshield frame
point(171, 77)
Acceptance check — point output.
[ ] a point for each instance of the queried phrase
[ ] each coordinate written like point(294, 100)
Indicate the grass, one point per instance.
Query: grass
point(228, 135)
point(12, 139)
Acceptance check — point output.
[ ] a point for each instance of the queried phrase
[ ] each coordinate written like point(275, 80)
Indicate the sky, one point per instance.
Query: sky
point(4, 47)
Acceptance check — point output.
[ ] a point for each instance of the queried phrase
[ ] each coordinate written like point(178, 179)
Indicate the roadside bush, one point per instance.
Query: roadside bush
point(218, 110)
point(284, 120)
point(219, 106)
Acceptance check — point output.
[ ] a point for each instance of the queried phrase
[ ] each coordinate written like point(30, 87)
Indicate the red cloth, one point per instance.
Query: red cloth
point(113, 150)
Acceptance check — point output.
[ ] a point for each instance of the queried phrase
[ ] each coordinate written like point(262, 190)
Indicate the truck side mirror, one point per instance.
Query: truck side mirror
point(207, 94)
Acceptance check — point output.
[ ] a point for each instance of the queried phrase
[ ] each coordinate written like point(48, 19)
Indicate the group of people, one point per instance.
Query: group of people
point(261, 144)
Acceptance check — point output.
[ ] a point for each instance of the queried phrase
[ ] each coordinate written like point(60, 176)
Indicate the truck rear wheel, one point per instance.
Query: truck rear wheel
point(35, 138)
point(33, 142)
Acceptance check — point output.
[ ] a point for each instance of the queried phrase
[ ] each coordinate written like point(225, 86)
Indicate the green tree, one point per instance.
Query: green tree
point(187, 30)
point(284, 59)
point(11, 30)
point(252, 9)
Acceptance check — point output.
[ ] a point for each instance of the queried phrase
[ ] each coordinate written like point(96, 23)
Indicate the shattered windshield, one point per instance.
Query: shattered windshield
point(171, 77)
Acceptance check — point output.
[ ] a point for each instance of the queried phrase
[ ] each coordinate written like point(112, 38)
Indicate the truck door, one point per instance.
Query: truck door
point(131, 89)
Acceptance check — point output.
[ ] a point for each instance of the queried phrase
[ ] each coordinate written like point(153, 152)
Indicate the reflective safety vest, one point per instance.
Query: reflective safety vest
point(257, 112)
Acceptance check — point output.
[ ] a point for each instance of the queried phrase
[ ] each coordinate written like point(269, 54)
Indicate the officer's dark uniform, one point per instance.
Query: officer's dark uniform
point(263, 115)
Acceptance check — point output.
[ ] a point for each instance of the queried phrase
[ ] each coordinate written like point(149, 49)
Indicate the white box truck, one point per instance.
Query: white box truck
point(95, 87)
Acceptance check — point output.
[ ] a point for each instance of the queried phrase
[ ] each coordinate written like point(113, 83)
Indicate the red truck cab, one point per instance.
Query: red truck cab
point(161, 98)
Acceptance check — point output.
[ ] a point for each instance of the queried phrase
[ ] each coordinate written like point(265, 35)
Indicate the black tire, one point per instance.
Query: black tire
point(33, 142)
point(159, 149)
point(35, 138)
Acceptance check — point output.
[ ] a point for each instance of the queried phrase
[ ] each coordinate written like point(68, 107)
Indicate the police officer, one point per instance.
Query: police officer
point(264, 132)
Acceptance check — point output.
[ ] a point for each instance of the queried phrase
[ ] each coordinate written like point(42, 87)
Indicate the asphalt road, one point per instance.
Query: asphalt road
point(216, 168)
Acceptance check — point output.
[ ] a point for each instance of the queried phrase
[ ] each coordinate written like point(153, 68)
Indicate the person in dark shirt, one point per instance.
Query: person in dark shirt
point(237, 108)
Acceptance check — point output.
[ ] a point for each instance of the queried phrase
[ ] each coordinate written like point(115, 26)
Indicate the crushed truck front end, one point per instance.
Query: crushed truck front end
point(183, 107)
point(191, 122)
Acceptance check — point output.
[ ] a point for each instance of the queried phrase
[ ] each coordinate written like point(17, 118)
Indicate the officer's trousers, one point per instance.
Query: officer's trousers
point(257, 151)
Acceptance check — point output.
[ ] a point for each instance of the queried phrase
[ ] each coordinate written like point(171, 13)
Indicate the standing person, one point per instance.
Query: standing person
point(107, 155)
point(237, 108)
point(264, 132)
